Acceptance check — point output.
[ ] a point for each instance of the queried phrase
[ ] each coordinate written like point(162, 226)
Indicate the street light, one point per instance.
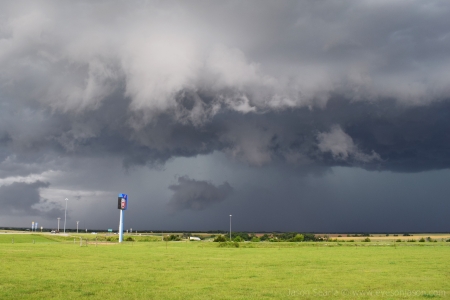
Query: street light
point(65, 215)
point(77, 225)
point(230, 227)
point(58, 223)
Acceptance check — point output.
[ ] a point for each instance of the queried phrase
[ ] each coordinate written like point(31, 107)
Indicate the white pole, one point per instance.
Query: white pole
point(77, 225)
point(58, 224)
point(230, 227)
point(65, 215)
point(121, 227)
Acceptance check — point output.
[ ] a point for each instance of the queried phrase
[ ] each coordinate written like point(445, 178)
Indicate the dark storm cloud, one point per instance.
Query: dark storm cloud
point(382, 135)
point(21, 198)
point(197, 194)
point(294, 92)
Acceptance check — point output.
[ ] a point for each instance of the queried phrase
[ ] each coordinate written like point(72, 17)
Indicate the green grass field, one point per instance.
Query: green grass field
point(55, 267)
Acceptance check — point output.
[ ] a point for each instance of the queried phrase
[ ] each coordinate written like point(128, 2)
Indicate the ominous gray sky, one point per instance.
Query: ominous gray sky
point(289, 115)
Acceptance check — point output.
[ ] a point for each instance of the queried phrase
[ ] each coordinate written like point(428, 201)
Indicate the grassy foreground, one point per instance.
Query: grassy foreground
point(180, 270)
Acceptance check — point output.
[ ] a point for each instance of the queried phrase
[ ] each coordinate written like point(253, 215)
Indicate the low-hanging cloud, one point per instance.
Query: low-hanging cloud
point(341, 146)
point(191, 194)
point(22, 198)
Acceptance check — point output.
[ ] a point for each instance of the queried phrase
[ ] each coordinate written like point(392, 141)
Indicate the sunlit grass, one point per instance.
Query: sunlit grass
point(24, 238)
point(201, 270)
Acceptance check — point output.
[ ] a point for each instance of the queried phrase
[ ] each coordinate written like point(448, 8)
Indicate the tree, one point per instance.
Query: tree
point(238, 239)
point(309, 237)
point(298, 238)
point(265, 237)
point(220, 239)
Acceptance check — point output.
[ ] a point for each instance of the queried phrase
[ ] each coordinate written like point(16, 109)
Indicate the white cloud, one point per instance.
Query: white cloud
point(341, 146)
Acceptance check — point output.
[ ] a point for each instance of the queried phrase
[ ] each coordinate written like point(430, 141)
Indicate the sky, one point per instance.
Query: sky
point(307, 116)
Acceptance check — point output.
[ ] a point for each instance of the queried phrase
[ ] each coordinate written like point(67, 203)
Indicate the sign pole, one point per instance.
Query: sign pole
point(121, 227)
point(122, 205)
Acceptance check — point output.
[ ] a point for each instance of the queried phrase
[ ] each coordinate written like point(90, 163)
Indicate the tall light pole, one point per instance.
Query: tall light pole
point(77, 225)
point(230, 227)
point(65, 215)
point(58, 223)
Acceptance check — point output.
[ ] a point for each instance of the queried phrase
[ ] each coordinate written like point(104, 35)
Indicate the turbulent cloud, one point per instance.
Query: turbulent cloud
point(197, 194)
point(315, 51)
point(341, 146)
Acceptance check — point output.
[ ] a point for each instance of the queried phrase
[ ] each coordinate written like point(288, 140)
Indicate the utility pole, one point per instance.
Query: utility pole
point(230, 227)
point(65, 215)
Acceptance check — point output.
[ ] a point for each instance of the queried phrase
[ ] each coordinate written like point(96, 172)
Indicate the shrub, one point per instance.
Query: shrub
point(411, 241)
point(398, 240)
point(309, 237)
point(265, 237)
point(220, 239)
point(229, 245)
point(406, 234)
point(255, 239)
point(298, 238)
point(243, 235)
point(238, 239)
point(351, 241)
point(366, 240)
point(422, 240)
point(172, 237)
point(129, 239)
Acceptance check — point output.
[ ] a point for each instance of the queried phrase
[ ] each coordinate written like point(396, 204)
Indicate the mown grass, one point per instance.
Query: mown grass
point(180, 270)
point(25, 238)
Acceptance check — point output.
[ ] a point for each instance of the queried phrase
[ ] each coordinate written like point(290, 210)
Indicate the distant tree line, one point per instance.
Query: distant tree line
point(269, 237)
